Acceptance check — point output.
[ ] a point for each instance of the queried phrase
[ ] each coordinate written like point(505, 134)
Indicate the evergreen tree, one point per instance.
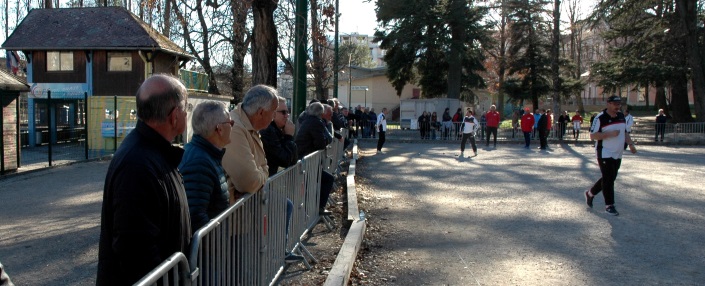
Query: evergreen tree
point(529, 54)
point(429, 42)
point(647, 45)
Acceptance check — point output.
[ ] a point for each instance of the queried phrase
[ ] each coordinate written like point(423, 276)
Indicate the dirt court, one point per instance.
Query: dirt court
point(509, 216)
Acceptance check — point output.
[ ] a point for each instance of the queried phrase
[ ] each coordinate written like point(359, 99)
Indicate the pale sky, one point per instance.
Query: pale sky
point(358, 16)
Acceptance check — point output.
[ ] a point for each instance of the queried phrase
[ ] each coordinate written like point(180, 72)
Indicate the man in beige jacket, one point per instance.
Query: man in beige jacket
point(244, 159)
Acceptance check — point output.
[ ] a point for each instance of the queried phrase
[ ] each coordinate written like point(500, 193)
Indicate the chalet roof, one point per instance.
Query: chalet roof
point(94, 28)
point(11, 82)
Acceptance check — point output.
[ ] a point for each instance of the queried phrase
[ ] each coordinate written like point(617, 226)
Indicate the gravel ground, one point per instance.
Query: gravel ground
point(506, 217)
point(512, 216)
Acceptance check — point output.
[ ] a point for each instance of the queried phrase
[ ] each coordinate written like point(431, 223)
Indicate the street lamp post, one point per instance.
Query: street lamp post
point(349, 81)
point(365, 97)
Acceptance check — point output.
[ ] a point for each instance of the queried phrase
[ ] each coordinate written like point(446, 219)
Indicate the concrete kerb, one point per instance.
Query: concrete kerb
point(343, 265)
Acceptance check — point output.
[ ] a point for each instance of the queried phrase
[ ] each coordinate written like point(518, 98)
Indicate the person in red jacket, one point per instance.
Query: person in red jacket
point(577, 121)
point(527, 125)
point(492, 117)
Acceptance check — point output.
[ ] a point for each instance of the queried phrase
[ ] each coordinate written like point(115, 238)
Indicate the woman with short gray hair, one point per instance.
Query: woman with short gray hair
point(204, 177)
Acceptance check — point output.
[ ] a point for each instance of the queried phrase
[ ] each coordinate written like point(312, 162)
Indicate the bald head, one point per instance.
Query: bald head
point(158, 96)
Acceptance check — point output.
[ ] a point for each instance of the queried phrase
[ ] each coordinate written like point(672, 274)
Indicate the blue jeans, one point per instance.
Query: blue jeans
point(527, 138)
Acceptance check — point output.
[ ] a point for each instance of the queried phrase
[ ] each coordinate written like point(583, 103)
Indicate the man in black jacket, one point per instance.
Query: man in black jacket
point(278, 140)
point(145, 216)
point(543, 131)
point(280, 149)
point(313, 135)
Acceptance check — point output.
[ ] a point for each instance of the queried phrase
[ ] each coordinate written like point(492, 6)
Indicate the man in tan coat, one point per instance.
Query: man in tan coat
point(244, 159)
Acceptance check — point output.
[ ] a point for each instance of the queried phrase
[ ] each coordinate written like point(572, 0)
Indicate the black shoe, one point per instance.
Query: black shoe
point(292, 258)
point(323, 211)
point(588, 198)
point(612, 211)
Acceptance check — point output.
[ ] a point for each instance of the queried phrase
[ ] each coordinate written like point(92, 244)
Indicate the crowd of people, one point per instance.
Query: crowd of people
point(157, 195)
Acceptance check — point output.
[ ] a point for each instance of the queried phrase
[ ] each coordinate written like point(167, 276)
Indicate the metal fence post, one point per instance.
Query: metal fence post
point(85, 123)
point(2, 135)
point(49, 123)
point(115, 123)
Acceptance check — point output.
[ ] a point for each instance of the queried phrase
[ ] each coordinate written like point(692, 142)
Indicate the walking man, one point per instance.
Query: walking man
point(468, 128)
point(542, 127)
point(661, 120)
point(577, 121)
point(527, 124)
point(492, 124)
point(609, 130)
point(382, 128)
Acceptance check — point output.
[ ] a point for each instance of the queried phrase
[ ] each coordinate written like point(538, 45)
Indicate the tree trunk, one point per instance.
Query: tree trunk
point(264, 43)
point(240, 9)
point(502, 56)
point(679, 98)
point(167, 19)
point(554, 60)
point(646, 95)
point(7, 16)
point(317, 42)
point(457, 31)
point(687, 13)
point(660, 100)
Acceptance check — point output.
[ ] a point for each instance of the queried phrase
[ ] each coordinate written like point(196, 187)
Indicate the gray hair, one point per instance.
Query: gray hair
point(259, 97)
point(281, 99)
point(158, 96)
point(315, 109)
point(327, 108)
point(207, 116)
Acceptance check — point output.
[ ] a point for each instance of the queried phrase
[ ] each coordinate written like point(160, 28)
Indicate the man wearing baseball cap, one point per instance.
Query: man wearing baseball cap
point(609, 130)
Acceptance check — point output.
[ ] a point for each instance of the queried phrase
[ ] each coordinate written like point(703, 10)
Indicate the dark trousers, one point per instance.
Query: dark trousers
point(527, 139)
point(609, 168)
point(543, 135)
point(467, 136)
point(562, 131)
point(660, 129)
point(380, 141)
point(327, 181)
point(491, 131)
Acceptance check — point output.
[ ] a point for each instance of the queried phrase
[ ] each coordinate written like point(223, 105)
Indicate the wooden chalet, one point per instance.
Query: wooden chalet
point(84, 66)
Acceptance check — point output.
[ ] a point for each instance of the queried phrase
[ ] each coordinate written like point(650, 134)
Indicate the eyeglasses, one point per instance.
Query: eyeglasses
point(231, 122)
point(283, 112)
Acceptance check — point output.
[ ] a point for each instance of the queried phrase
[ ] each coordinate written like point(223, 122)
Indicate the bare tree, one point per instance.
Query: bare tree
point(264, 43)
point(200, 46)
point(576, 38)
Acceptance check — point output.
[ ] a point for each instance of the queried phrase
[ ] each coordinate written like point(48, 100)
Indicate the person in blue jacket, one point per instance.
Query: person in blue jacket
point(204, 178)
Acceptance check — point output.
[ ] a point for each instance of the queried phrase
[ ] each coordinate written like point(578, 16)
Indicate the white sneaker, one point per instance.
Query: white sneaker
point(461, 154)
point(475, 153)
point(380, 152)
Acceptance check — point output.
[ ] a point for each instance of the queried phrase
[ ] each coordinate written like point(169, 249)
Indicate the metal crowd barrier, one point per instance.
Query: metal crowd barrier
point(246, 244)
point(173, 271)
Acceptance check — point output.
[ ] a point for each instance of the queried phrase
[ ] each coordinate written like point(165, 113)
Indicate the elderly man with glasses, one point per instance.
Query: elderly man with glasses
point(204, 178)
point(280, 149)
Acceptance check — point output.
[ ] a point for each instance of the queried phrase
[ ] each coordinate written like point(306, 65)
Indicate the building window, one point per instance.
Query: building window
point(59, 61)
point(119, 62)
